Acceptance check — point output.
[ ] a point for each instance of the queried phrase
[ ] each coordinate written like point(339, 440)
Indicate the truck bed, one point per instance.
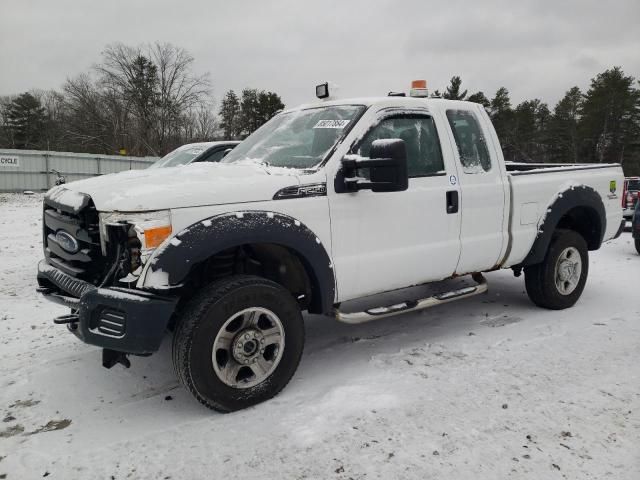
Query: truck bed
point(535, 187)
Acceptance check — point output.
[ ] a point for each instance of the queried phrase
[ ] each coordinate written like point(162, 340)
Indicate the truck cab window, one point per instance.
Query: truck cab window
point(472, 146)
point(424, 156)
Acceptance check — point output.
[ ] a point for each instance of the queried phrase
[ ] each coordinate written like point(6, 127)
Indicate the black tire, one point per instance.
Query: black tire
point(638, 245)
point(203, 318)
point(540, 279)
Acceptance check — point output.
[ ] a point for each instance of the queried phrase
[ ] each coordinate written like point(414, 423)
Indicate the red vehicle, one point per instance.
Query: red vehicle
point(630, 196)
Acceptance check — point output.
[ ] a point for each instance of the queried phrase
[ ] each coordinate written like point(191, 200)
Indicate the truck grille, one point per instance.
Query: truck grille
point(72, 241)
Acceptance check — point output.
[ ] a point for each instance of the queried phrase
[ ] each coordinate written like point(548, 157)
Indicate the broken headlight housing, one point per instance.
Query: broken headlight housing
point(142, 232)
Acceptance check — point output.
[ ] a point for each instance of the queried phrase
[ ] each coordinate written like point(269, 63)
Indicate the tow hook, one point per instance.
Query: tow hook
point(69, 318)
point(112, 357)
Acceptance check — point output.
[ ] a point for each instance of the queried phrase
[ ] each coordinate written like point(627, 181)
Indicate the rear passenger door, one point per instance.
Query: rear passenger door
point(483, 229)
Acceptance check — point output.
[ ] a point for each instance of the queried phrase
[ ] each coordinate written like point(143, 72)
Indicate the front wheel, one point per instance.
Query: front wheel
point(638, 245)
point(238, 342)
point(559, 280)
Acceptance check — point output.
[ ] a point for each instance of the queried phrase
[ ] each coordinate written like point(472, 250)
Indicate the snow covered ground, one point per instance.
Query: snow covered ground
point(486, 388)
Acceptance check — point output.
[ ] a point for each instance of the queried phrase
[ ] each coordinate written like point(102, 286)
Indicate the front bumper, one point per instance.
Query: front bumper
point(120, 319)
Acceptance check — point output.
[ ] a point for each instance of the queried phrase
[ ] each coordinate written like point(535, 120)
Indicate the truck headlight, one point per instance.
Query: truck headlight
point(150, 228)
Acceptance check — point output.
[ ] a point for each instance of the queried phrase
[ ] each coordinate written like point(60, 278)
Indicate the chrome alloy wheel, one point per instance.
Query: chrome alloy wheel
point(248, 347)
point(568, 270)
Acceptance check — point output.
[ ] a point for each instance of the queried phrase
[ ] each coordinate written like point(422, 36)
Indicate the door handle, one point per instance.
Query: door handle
point(453, 201)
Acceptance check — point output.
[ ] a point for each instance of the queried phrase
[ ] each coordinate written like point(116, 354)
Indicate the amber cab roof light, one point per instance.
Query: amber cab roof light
point(419, 89)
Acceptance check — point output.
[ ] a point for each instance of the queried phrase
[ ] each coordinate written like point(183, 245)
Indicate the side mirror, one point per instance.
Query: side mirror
point(226, 152)
point(387, 167)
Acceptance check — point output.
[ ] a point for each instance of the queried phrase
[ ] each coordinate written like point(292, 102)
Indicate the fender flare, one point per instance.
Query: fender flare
point(572, 197)
point(172, 262)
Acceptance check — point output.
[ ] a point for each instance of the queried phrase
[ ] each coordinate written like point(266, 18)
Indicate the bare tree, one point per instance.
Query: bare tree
point(180, 91)
point(206, 124)
point(157, 87)
point(54, 106)
point(87, 121)
point(130, 79)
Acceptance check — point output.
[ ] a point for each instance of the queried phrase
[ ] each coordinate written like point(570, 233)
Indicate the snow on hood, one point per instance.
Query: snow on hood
point(183, 186)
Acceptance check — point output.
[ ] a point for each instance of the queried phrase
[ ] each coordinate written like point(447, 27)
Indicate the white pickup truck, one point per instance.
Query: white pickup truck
point(324, 204)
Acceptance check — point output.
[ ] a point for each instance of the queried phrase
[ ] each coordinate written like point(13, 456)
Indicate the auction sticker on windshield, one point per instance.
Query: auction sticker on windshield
point(9, 161)
point(331, 124)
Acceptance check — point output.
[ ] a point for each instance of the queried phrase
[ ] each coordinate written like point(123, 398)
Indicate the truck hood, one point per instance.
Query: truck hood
point(183, 186)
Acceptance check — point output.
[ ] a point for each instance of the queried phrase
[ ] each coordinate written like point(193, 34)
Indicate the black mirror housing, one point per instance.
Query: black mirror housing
point(387, 166)
point(393, 177)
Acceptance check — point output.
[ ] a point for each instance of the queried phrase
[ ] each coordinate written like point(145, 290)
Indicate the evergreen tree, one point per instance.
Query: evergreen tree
point(501, 115)
point(563, 127)
point(249, 115)
point(230, 115)
point(269, 103)
point(256, 107)
point(141, 89)
point(25, 120)
point(501, 102)
point(524, 130)
point(452, 92)
point(479, 97)
point(610, 116)
point(6, 137)
point(530, 120)
point(543, 118)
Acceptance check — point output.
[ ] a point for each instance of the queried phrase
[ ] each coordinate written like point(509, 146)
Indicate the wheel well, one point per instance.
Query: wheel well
point(579, 209)
point(278, 263)
point(586, 222)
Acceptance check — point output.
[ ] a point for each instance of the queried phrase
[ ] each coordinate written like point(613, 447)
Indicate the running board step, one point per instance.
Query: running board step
point(414, 305)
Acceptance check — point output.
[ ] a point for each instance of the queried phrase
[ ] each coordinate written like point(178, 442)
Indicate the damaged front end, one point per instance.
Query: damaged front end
point(91, 265)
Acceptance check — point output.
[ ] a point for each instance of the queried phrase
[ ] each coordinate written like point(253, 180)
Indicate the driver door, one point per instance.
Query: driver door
point(387, 240)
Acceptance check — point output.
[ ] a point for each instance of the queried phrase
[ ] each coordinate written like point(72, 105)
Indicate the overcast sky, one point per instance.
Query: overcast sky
point(534, 48)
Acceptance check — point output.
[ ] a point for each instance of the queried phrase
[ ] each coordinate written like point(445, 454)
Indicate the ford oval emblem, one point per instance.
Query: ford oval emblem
point(67, 242)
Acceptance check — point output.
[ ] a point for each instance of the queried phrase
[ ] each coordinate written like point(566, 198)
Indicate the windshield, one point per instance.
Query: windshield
point(180, 156)
point(298, 139)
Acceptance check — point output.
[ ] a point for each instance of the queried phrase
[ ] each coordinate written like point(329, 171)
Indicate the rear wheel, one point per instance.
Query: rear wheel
point(638, 245)
point(559, 280)
point(238, 342)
